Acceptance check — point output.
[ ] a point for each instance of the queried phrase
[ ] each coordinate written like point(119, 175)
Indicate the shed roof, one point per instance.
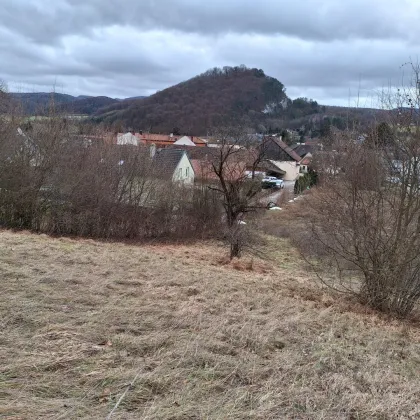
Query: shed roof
point(270, 165)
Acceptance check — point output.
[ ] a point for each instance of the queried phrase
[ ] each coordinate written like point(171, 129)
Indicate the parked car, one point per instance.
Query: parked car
point(272, 182)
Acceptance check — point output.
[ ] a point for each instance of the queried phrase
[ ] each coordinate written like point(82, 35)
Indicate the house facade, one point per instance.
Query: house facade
point(290, 169)
point(174, 165)
point(127, 139)
point(184, 171)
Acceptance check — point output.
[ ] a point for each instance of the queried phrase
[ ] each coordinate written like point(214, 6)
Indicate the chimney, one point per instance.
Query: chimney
point(152, 150)
point(171, 135)
point(141, 132)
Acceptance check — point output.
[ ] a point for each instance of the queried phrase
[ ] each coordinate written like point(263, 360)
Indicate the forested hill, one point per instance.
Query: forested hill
point(220, 96)
point(37, 103)
point(41, 103)
point(196, 105)
point(87, 105)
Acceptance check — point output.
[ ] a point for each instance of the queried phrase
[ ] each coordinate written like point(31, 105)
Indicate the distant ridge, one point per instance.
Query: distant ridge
point(33, 103)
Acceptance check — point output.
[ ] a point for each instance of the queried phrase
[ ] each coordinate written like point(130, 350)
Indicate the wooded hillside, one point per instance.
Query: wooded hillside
point(87, 106)
point(36, 103)
point(40, 103)
point(198, 104)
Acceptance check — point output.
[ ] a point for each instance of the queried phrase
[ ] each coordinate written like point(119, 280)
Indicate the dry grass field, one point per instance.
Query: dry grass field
point(201, 339)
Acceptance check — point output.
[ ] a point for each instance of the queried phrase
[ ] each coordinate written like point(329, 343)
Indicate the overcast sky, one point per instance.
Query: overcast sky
point(322, 49)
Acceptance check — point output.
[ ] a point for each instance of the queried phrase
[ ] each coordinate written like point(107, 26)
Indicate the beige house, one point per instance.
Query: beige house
point(280, 155)
point(305, 151)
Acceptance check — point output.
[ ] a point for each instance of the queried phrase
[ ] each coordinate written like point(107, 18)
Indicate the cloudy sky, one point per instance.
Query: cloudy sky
point(322, 49)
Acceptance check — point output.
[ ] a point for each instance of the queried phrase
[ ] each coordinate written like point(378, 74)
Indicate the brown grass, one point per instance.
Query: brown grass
point(208, 339)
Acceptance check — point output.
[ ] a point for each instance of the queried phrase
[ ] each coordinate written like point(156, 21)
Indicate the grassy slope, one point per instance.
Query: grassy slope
point(80, 319)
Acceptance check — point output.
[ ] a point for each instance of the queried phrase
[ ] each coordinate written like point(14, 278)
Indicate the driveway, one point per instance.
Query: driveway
point(289, 186)
point(276, 195)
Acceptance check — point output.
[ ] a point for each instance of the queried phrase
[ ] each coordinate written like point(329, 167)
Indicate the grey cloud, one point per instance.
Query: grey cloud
point(317, 48)
point(306, 67)
point(310, 19)
point(115, 64)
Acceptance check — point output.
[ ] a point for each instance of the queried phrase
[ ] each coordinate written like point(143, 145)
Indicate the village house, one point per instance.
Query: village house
point(281, 157)
point(174, 165)
point(168, 164)
point(305, 151)
point(239, 165)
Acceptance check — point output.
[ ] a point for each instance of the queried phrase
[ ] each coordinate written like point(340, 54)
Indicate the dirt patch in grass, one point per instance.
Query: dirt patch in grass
point(207, 340)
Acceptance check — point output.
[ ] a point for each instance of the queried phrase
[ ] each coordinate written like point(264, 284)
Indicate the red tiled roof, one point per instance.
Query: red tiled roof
point(156, 137)
point(203, 169)
point(197, 140)
point(166, 138)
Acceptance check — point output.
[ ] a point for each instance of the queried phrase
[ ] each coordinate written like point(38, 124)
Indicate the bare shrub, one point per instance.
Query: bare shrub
point(365, 216)
point(5, 99)
point(57, 181)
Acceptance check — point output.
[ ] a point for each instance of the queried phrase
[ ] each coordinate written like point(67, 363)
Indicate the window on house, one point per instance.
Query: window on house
point(187, 171)
point(180, 172)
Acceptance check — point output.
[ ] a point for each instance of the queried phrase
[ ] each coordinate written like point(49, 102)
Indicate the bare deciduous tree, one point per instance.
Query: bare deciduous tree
point(234, 165)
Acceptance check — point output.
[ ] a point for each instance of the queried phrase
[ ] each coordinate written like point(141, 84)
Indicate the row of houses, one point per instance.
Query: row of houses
point(159, 140)
point(188, 159)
